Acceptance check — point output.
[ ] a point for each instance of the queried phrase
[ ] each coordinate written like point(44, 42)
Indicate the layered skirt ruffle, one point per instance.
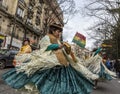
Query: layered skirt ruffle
point(56, 80)
point(95, 65)
point(103, 75)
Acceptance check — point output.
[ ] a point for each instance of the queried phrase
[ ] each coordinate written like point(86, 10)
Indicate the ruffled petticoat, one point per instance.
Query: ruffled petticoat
point(96, 66)
point(56, 80)
point(41, 73)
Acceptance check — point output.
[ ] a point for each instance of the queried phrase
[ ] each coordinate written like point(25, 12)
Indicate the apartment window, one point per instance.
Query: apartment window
point(20, 12)
point(3, 5)
point(30, 7)
point(29, 21)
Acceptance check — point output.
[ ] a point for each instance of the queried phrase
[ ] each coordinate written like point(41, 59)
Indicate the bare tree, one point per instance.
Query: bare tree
point(107, 14)
point(102, 11)
point(68, 8)
point(58, 9)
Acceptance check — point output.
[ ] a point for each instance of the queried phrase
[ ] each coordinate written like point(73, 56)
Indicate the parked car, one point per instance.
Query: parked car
point(7, 57)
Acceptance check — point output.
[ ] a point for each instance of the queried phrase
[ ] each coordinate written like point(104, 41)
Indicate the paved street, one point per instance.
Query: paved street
point(107, 87)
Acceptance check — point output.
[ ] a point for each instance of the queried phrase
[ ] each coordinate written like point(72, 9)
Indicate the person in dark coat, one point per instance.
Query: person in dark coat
point(117, 67)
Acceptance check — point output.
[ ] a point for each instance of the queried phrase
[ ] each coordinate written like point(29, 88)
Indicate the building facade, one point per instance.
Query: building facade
point(20, 19)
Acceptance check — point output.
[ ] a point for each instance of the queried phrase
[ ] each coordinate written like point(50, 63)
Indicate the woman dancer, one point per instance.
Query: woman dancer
point(95, 65)
point(50, 70)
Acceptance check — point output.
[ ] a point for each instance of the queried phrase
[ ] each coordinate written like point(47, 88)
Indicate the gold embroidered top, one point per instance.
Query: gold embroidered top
point(59, 53)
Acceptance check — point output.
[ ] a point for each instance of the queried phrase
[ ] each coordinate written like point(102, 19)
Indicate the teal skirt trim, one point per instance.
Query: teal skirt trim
point(103, 74)
point(57, 80)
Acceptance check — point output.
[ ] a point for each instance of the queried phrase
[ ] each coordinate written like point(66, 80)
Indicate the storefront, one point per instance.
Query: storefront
point(16, 44)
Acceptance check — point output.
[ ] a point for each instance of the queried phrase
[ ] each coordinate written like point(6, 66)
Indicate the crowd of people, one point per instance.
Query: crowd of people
point(55, 68)
point(114, 66)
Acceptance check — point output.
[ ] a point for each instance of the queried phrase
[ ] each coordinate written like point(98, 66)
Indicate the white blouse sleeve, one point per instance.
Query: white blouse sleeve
point(44, 42)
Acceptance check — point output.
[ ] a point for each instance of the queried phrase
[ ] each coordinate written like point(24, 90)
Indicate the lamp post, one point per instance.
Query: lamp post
point(25, 23)
point(13, 31)
point(0, 30)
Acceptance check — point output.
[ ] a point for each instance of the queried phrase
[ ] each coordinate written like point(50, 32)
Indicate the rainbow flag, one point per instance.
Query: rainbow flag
point(79, 39)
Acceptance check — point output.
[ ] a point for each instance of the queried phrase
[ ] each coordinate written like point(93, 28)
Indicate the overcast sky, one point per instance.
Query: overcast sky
point(78, 24)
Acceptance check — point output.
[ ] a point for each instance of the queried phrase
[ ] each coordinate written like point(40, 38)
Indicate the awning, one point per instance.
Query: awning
point(2, 37)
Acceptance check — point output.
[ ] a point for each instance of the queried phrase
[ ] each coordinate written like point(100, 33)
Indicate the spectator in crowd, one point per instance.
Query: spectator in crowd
point(108, 64)
point(117, 67)
point(26, 47)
